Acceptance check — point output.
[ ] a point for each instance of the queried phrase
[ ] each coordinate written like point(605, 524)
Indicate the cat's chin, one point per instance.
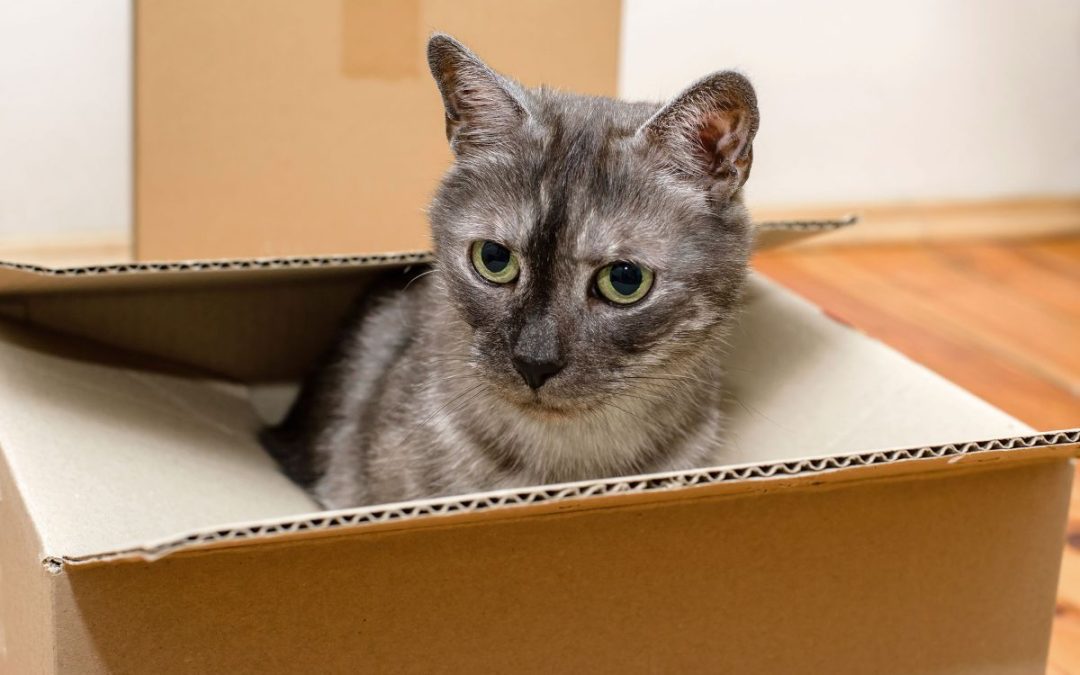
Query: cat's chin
point(551, 410)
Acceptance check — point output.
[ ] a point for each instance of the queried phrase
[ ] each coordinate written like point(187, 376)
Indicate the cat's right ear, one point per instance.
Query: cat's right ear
point(481, 106)
point(707, 132)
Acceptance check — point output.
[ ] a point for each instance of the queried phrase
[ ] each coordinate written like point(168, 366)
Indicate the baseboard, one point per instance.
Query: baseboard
point(68, 250)
point(936, 221)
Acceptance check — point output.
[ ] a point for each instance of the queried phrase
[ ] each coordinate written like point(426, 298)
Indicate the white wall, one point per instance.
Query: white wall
point(861, 100)
point(65, 118)
point(864, 100)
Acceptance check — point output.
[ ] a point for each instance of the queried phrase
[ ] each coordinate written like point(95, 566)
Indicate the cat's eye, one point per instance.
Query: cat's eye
point(494, 262)
point(624, 283)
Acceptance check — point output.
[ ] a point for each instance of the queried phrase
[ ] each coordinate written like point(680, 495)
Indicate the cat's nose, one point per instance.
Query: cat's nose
point(536, 372)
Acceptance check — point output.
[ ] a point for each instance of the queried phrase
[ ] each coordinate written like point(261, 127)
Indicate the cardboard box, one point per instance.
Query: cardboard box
point(863, 524)
point(279, 127)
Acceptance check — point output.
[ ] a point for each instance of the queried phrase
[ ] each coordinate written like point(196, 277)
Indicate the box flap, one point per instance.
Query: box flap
point(245, 320)
point(24, 278)
point(119, 460)
point(796, 376)
point(776, 233)
point(631, 491)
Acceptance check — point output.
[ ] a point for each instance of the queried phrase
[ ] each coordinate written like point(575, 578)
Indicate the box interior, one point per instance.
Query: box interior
point(130, 396)
point(128, 408)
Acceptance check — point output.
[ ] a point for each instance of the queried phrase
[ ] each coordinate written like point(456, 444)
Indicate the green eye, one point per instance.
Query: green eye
point(624, 282)
point(494, 262)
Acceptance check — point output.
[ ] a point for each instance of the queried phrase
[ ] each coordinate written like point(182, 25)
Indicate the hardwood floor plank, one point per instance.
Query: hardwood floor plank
point(1061, 255)
point(1000, 319)
point(1006, 268)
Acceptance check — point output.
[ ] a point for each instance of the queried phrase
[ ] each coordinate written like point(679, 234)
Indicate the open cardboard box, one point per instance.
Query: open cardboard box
point(865, 523)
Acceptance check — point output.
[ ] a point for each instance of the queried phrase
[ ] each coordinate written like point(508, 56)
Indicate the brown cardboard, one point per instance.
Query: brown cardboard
point(944, 575)
point(303, 128)
point(861, 523)
point(26, 622)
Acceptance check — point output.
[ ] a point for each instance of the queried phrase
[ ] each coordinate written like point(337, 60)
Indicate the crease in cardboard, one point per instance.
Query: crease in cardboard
point(1063, 443)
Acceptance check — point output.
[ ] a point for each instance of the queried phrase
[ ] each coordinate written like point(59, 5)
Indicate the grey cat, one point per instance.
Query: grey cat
point(589, 260)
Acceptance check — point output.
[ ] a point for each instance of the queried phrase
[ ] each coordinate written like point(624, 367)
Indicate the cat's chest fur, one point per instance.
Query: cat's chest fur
point(411, 419)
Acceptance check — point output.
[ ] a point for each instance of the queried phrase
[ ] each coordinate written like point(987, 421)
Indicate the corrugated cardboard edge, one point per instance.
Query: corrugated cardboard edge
point(21, 279)
point(778, 233)
point(808, 225)
point(224, 265)
point(35, 277)
point(590, 494)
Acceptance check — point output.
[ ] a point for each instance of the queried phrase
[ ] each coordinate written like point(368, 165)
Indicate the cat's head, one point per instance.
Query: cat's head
point(589, 244)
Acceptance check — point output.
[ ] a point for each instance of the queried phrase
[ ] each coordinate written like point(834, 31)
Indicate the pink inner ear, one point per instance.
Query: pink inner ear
point(722, 137)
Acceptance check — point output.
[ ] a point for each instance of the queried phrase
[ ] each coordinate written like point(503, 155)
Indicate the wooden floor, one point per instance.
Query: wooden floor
point(1000, 318)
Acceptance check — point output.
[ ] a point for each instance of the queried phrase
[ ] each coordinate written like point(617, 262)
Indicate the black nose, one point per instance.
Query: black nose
point(536, 372)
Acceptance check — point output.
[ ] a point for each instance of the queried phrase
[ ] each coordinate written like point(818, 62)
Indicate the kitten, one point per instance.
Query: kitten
point(590, 256)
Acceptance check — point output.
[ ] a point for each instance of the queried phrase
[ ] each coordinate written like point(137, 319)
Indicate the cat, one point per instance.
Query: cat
point(589, 258)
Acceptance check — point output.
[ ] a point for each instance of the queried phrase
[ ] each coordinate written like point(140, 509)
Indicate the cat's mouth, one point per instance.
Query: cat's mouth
point(549, 412)
point(547, 408)
point(553, 401)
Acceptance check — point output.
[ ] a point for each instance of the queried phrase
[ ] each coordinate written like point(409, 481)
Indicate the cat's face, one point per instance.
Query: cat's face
point(591, 246)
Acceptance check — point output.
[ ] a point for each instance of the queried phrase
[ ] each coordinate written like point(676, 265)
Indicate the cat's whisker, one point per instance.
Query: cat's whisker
point(620, 409)
point(643, 399)
point(676, 380)
point(751, 410)
point(440, 409)
point(418, 277)
point(450, 360)
point(451, 378)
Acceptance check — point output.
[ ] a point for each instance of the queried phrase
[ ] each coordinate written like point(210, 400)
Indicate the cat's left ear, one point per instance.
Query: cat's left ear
point(708, 130)
point(482, 107)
